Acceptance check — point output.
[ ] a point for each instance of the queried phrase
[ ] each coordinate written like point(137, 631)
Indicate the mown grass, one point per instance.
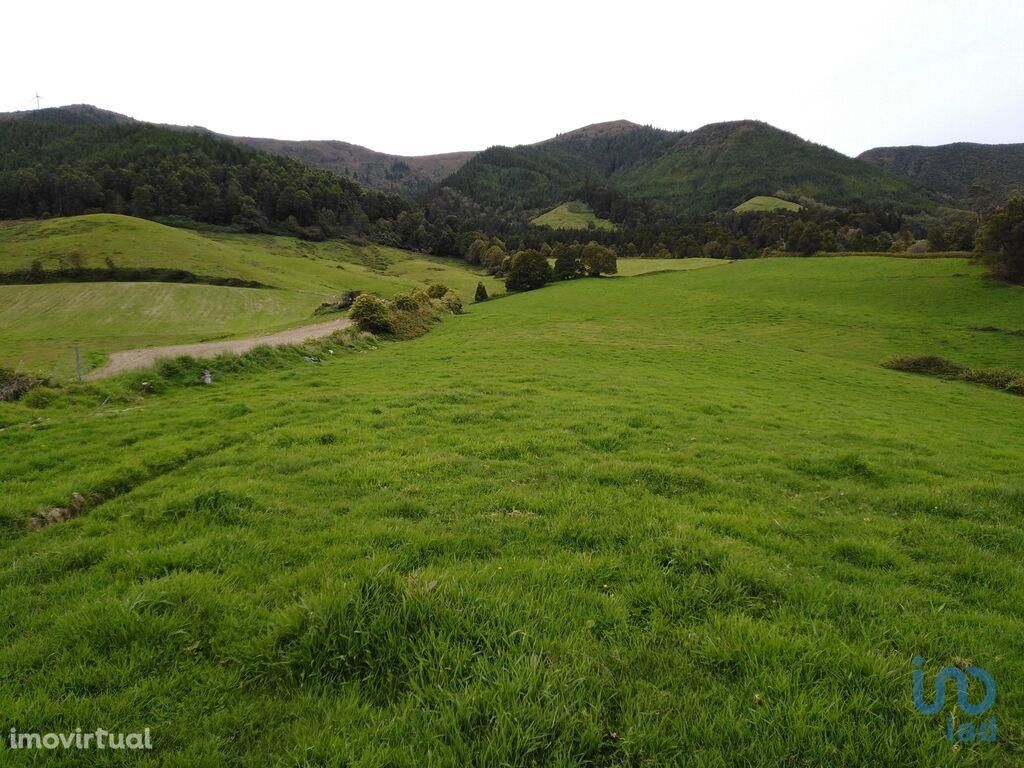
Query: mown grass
point(760, 203)
point(41, 324)
point(573, 215)
point(685, 519)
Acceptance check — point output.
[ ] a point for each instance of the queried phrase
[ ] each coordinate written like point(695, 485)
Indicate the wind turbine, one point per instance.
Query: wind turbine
point(38, 98)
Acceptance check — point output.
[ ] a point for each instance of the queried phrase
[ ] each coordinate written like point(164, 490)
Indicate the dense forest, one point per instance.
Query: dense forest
point(49, 169)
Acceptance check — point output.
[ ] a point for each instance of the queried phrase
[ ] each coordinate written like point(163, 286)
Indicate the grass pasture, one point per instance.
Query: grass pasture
point(688, 519)
point(761, 203)
point(39, 324)
point(572, 215)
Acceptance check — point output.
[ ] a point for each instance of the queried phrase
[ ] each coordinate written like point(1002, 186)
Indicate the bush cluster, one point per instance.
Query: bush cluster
point(1004, 379)
point(406, 315)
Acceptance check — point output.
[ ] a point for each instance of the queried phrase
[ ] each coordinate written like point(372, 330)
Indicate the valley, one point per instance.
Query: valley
point(625, 447)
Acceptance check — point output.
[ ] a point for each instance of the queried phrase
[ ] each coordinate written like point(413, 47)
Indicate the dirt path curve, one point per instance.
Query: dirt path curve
point(134, 359)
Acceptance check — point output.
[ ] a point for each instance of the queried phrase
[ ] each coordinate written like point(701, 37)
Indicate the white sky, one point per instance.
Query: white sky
point(425, 77)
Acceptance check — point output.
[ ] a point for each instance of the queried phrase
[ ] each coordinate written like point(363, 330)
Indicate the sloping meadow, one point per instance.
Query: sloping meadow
point(683, 518)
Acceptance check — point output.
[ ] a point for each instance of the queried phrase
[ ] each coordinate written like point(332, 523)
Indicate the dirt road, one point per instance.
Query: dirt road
point(134, 359)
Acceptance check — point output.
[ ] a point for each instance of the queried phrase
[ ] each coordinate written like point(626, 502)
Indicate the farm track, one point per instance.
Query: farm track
point(136, 359)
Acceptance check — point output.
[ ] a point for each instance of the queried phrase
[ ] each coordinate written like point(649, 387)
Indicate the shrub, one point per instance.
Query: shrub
point(370, 314)
point(929, 365)
point(1004, 379)
point(452, 302)
point(437, 290)
point(14, 385)
point(405, 302)
point(996, 378)
point(481, 293)
point(421, 297)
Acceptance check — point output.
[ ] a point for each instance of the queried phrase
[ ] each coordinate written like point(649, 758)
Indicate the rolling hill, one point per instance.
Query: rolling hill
point(393, 173)
point(574, 215)
point(40, 323)
point(967, 175)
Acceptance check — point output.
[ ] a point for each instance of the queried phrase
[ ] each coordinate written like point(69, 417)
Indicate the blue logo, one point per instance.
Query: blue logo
point(967, 730)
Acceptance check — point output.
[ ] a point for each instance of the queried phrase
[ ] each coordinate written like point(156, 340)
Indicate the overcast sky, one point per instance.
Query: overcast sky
point(425, 77)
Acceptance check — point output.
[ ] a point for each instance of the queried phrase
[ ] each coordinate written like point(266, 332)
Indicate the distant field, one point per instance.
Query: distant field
point(39, 324)
point(683, 519)
point(632, 267)
point(766, 203)
point(572, 215)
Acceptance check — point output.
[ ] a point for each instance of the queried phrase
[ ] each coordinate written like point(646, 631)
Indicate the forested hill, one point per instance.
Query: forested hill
point(616, 167)
point(72, 161)
point(392, 173)
point(721, 165)
point(969, 175)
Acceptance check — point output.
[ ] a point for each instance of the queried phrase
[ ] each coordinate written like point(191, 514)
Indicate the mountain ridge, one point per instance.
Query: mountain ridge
point(714, 167)
point(966, 173)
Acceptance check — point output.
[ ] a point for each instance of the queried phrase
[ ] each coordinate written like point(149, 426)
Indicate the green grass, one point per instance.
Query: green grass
point(760, 203)
point(633, 267)
point(684, 519)
point(573, 215)
point(39, 324)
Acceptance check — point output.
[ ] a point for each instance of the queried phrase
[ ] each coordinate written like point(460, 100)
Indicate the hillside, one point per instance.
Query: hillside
point(71, 115)
point(574, 215)
point(40, 323)
point(716, 167)
point(721, 165)
point(613, 166)
point(78, 160)
point(611, 522)
point(760, 203)
point(393, 173)
point(968, 175)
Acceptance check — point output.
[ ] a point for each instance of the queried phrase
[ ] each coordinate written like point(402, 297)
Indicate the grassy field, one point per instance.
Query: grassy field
point(572, 215)
point(40, 324)
point(683, 519)
point(761, 203)
point(634, 267)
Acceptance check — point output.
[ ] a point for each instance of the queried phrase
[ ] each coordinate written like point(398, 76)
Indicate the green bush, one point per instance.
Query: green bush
point(451, 302)
point(370, 314)
point(528, 270)
point(437, 290)
point(421, 297)
point(405, 302)
point(481, 293)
